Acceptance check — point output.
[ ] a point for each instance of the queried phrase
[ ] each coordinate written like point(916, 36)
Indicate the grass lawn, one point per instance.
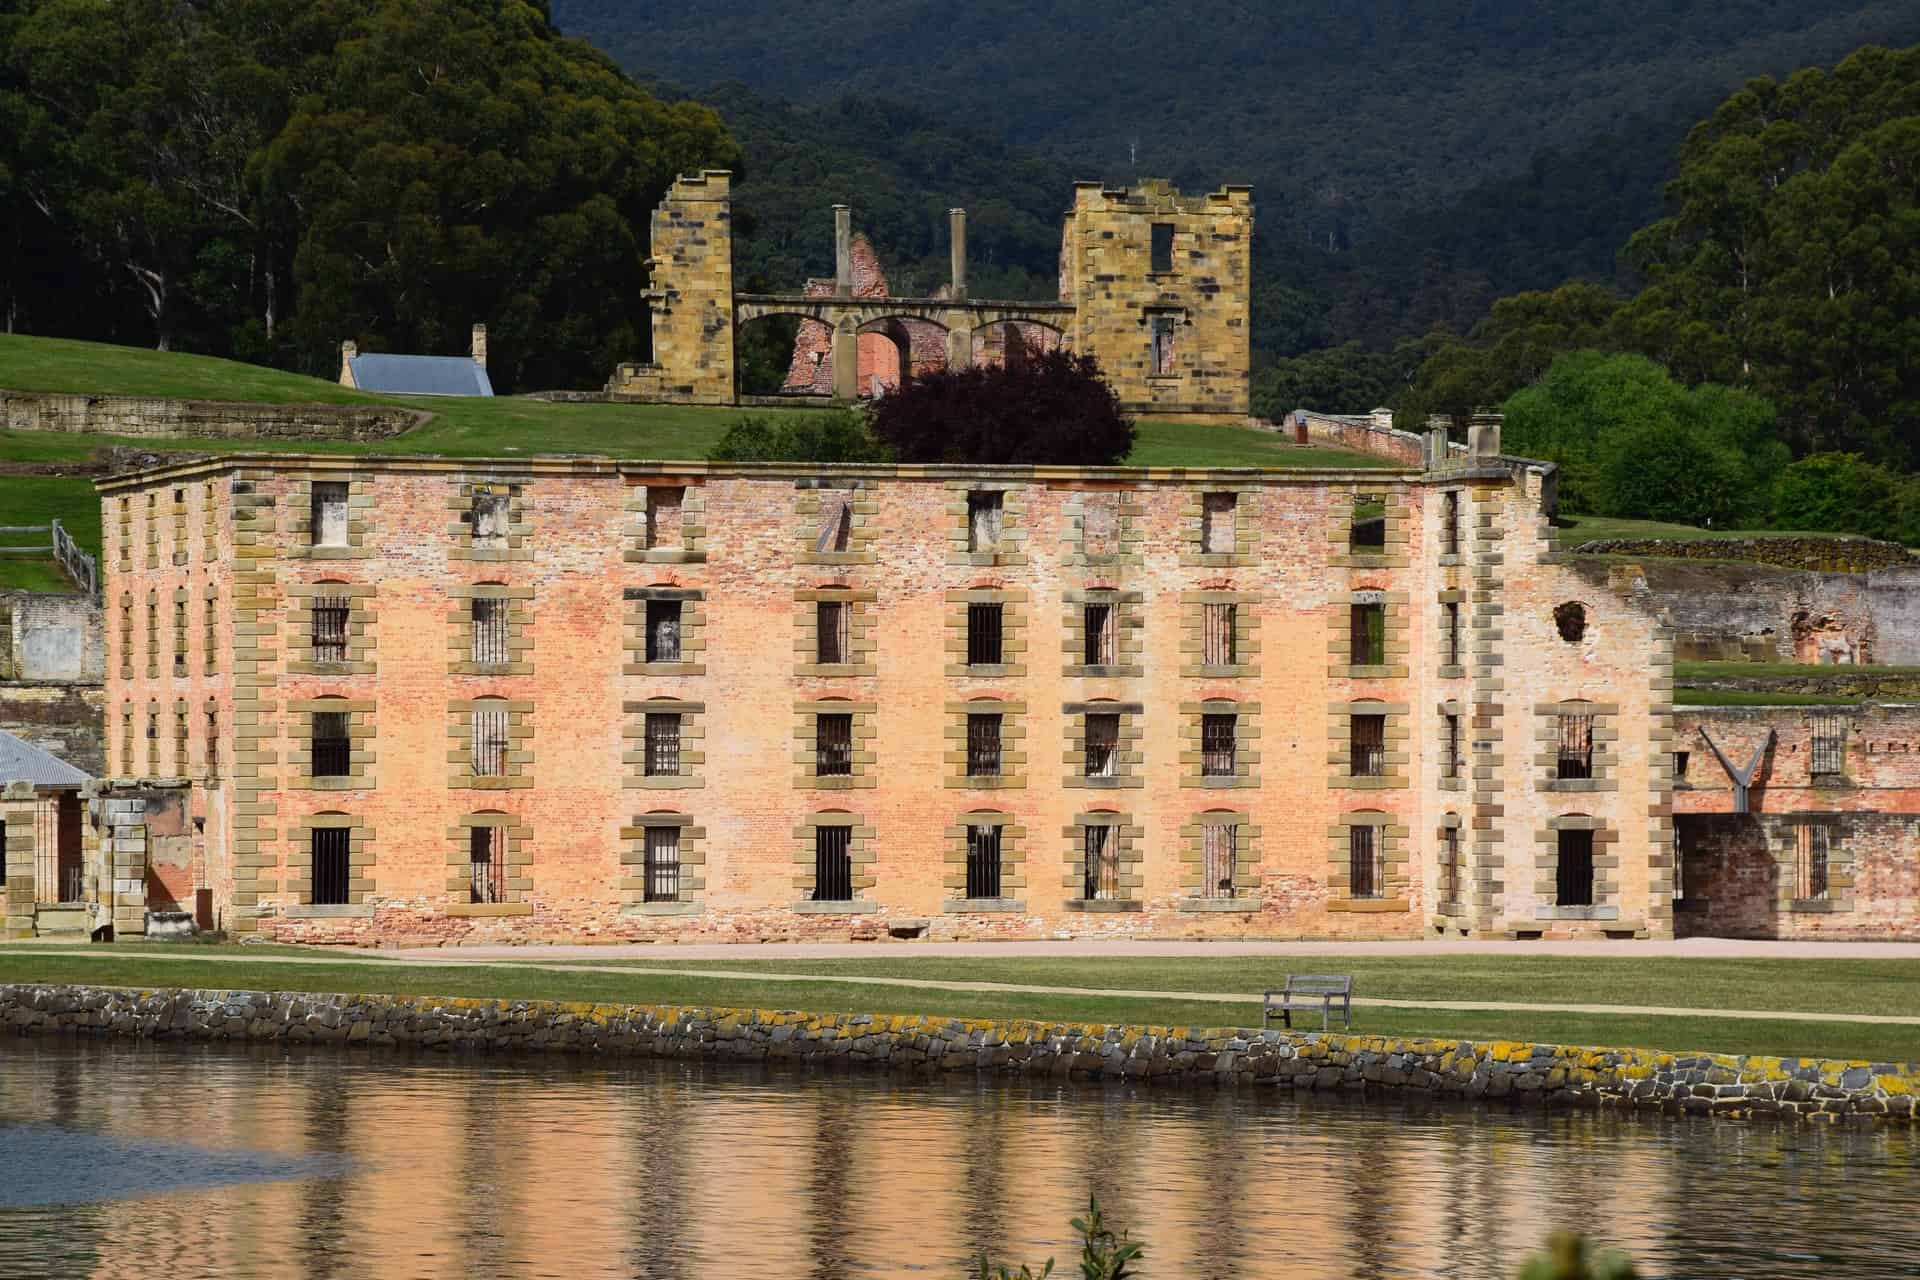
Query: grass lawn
point(1684, 696)
point(1826, 986)
point(1575, 530)
point(1778, 670)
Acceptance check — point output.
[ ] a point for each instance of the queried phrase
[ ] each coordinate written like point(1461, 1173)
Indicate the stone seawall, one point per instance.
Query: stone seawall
point(1538, 1074)
point(205, 419)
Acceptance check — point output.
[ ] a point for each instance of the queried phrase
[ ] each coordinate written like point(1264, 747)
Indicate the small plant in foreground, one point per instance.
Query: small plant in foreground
point(1569, 1257)
point(1103, 1255)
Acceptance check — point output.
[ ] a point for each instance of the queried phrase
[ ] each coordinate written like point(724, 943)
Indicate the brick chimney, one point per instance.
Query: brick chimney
point(348, 350)
point(480, 345)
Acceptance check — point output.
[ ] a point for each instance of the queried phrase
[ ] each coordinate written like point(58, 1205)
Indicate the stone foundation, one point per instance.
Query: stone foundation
point(1744, 1086)
point(204, 419)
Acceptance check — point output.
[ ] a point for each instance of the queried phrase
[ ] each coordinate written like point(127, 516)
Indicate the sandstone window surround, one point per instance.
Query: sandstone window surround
point(310, 620)
point(182, 755)
point(1370, 623)
point(1103, 529)
point(663, 865)
point(126, 635)
point(1218, 640)
point(1163, 341)
point(179, 524)
point(1219, 744)
point(1453, 767)
point(1357, 759)
point(1220, 527)
point(126, 739)
point(649, 615)
point(1814, 866)
point(1219, 862)
point(331, 746)
point(123, 540)
point(153, 635)
point(1576, 746)
point(210, 630)
point(842, 846)
point(1367, 528)
point(849, 760)
point(1105, 631)
point(332, 867)
point(1452, 524)
point(668, 521)
point(212, 752)
point(985, 864)
point(1374, 845)
point(665, 745)
point(487, 630)
point(489, 865)
point(179, 632)
point(153, 739)
point(1103, 744)
point(153, 529)
point(1453, 635)
point(1826, 747)
point(1569, 849)
point(834, 521)
point(489, 521)
point(986, 523)
point(985, 734)
point(1450, 870)
point(475, 729)
point(965, 618)
point(850, 616)
point(331, 513)
point(1103, 862)
point(210, 520)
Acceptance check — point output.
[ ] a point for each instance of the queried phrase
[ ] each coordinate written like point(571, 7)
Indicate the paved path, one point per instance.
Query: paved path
point(458, 957)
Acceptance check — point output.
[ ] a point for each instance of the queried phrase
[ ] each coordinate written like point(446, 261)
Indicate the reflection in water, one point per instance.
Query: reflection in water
point(438, 1166)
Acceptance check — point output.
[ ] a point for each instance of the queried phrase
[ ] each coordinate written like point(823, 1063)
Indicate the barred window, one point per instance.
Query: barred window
point(833, 745)
point(327, 515)
point(1367, 736)
point(984, 514)
point(332, 746)
point(985, 646)
point(1217, 746)
point(1367, 634)
point(1829, 749)
point(663, 630)
point(1103, 744)
point(490, 631)
point(1450, 523)
point(1102, 849)
point(663, 744)
point(983, 861)
point(1575, 758)
point(833, 864)
point(1811, 848)
point(663, 864)
point(1217, 511)
point(1450, 622)
point(1218, 845)
point(1366, 872)
point(983, 745)
point(830, 632)
point(1573, 871)
point(1097, 623)
point(487, 864)
point(331, 875)
point(1367, 530)
point(1219, 646)
point(330, 615)
point(1450, 866)
point(490, 742)
point(489, 517)
point(664, 503)
point(1450, 762)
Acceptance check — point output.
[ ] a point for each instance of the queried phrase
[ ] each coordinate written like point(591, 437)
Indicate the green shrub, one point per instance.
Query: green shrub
point(838, 435)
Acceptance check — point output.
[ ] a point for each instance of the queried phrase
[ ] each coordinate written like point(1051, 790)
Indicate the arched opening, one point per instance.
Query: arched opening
point(778, 355)
point(893, 350)
point(1013, 342)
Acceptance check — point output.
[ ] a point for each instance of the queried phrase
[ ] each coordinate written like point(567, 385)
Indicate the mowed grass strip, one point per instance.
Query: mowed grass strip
point(633, 984)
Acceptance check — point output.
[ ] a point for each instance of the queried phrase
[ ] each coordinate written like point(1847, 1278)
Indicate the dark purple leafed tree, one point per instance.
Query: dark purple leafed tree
point(1052, 409)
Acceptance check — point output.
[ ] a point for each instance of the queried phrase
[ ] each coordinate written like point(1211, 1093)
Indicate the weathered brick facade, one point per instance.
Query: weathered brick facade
point(667, 741)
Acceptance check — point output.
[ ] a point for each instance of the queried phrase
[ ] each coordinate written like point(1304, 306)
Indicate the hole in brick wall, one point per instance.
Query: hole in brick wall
point(907, 931)
point(1571, 620)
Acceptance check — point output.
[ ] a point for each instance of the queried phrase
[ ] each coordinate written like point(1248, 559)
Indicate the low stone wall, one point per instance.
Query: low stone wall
point(206, 419)
point(1834, 554)
point(1542, 1074)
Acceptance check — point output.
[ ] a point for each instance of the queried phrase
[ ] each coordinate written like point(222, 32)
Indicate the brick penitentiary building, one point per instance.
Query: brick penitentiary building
point(424, 699)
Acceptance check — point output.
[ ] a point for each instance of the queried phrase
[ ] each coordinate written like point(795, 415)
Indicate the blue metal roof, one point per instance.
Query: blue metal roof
point(420, 375)
point(21, 761)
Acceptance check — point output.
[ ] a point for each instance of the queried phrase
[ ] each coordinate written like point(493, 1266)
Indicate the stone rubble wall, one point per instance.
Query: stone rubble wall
point(202, 419)
point(1744, 1086)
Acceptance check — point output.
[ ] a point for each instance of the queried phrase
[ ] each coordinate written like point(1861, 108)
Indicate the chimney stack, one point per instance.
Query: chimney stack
point(348, 350)
point(480, 345)
point(1483, 436)
point(843, 250)
point(957, 224)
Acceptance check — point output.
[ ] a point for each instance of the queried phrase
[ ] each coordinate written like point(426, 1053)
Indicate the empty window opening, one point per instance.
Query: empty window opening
point(328, 518)
point(213, 744)
point(1219, 646)
point(833, 864)
point(983, 745)
point(984, 513)
point(179, 637)
point(1369, 742)
point(489, 518)
point(1218, 847)
point(1811, 846)
point(1162, 247)
point(1450, 621)
point(664, 504)
point(663, 864)
point(1367, 635)
point(1573, 874)
point(663, 744)
point(1217, 522)
point(490, 631)
point(330, 614)
point(833, 745)
point(332, 745)
point(1450, 762)
point(1217, 752)
point(1680, 759)
point(487, 864)
point(490, 743)
point(663, 630)
point(984, 635)
point(831, 639)
point(983, 861)
point(1450, 523)
point(1160, 353)
point(1570, 619)
point(1366, 876)
point(1828, 753)
point(1097, 622)
point(1367, 531)
point(332, 870)
point(1103, 744)
point(1450, 866)
point(836, 525)
point(1575, 758)
point(1103, 863)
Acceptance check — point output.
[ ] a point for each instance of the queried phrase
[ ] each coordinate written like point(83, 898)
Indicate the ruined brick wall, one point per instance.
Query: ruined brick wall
point(691, 297)
point(1106, 272)
point(738, 551)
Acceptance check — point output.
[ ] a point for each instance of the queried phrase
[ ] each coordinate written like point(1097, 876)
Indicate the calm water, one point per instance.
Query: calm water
point(131, 1160)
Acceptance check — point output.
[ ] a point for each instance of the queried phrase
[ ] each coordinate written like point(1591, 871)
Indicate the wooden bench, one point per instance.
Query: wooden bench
point(1304, 990)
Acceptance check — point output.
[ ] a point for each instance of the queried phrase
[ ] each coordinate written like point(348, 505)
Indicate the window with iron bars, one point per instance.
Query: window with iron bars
point(1450, 622)
point(1102, 848)
point(984, 644)
point(1103, 744)
point(1217, 512)
point(833, 864)
point(1367, 736)
point(332, 745)
point(663, 744)
point(1217, 744)
point(983, 744)
point(1450, 866)
point(1218, 847)
point(831, 645)
point(1573, 869)
point(663, 864)
point(489, 618)
point(983, 861)
point(1218, 644)
point(663, 630)
point(833, 745)
point(1366, 869)
point(1812, 845)
point(985, 510)
point(1575, 758)
point(1367, 635)
point(1450, 761)
point(1450, 523)
point(490, 743)
point(1828, 754)
point(1097, 625)
point(487, 864)
point(330, 614)
point(331, 872)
